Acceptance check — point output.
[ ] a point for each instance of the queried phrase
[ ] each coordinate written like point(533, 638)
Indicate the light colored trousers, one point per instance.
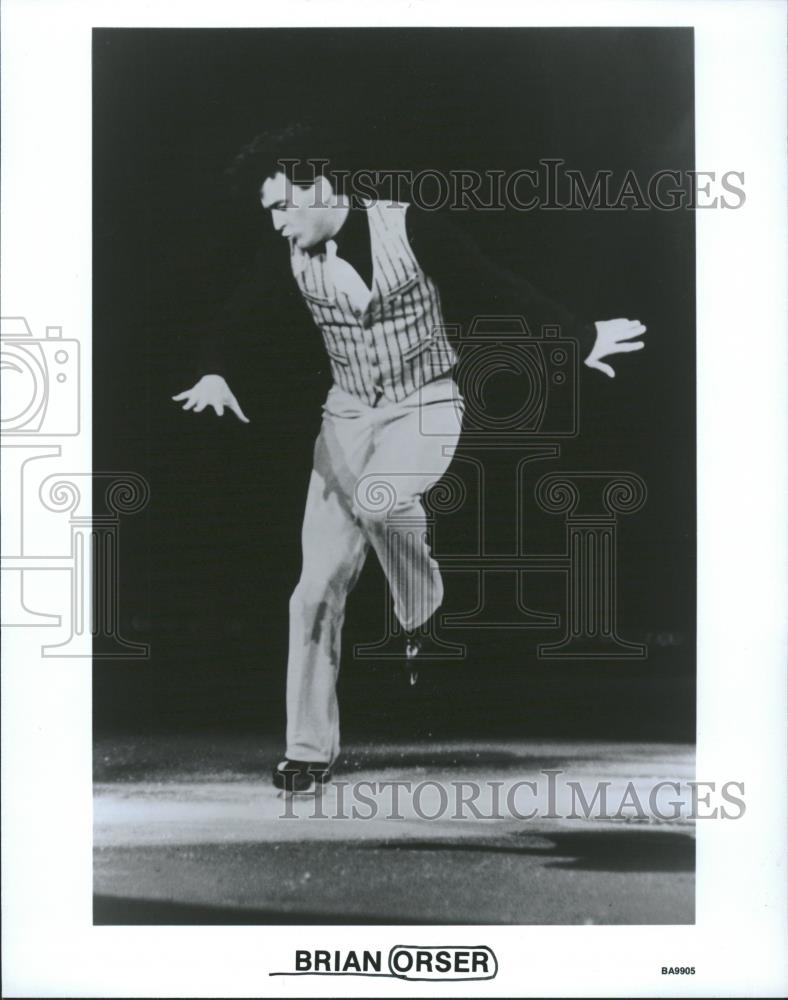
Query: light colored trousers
point(371, 467)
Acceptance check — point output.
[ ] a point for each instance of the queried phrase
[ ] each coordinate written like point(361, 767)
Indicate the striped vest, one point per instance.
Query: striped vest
point(394, 341)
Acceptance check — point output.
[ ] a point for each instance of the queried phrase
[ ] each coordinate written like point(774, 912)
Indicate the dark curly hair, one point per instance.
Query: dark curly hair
point(301, 151)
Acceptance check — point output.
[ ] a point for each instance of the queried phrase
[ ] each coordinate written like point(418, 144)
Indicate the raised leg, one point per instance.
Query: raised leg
point(411, 451)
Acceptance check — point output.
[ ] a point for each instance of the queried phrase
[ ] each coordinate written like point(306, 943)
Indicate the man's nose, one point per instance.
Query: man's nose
point(278, 219)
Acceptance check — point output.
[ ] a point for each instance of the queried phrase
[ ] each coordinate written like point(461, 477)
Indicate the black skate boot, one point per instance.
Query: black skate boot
point(301, 776)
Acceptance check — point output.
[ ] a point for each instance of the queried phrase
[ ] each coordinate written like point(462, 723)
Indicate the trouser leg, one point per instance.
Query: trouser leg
point(412, 450)
point(334, 549)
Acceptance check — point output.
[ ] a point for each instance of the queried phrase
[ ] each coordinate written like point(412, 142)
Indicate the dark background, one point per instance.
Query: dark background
point(208, 567)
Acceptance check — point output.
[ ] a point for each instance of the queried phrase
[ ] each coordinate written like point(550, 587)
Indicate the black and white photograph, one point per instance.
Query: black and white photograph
point(411, 360)
point(369, 520)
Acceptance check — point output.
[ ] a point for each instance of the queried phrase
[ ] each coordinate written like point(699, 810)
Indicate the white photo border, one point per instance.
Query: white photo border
point(737, 945)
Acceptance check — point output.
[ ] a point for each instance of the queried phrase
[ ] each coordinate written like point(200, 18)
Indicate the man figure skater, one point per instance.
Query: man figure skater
point(371, 276)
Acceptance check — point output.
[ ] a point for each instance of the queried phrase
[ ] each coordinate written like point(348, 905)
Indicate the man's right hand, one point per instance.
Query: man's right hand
point(211, 390)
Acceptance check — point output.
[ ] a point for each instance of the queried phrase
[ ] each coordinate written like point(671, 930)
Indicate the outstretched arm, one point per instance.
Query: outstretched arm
point(452, 259)
point(223, 345)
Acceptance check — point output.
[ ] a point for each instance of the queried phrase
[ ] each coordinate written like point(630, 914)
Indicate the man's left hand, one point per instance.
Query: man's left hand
point(614, 336)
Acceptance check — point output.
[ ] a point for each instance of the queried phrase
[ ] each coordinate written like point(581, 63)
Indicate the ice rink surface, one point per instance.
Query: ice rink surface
point(190, 830)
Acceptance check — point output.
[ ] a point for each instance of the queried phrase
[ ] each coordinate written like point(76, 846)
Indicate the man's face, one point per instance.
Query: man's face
point(305, 214)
